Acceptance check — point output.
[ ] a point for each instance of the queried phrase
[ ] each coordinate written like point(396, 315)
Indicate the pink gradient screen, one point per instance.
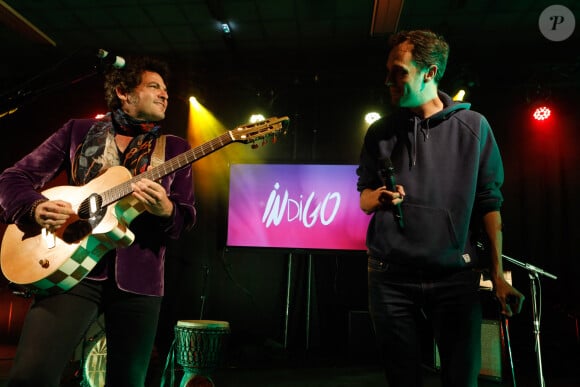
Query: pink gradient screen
point(297, 206)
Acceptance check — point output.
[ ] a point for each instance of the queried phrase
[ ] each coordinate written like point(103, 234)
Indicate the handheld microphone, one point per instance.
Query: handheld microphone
point(106, 57)
point(387, 175)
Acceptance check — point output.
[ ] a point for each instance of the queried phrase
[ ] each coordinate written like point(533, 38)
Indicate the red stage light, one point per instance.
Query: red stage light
point(542, 113)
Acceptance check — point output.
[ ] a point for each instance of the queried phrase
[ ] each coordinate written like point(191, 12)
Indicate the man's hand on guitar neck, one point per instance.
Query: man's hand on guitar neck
point(153, 196)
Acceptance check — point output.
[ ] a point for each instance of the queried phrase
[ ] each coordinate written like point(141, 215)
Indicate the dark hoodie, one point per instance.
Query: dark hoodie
point(451, 169)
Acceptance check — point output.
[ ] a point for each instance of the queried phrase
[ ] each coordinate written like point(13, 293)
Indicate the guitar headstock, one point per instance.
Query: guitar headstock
point(259, 130)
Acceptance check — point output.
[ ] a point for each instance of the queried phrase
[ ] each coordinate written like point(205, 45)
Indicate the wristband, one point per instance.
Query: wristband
point(33, 207)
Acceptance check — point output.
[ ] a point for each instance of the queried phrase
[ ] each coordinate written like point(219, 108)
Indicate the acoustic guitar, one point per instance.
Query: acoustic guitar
point(42, 262)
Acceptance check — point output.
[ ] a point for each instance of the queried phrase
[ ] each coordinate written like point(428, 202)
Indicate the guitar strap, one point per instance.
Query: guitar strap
point(158, 156)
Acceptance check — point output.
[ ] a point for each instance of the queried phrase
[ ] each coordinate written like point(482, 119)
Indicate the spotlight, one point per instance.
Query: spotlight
point(195, 104)
point(542, 113)
point(459, 95)
point(539, 100)
point(465, 83)
point(257, 118)
point(226, 28)
point(372, 117)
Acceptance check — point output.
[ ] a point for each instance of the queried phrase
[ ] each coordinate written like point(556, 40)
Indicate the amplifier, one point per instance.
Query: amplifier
point(492, 351)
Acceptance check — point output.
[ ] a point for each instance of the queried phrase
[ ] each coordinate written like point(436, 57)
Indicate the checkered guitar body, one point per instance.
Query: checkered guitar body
point(42, 262)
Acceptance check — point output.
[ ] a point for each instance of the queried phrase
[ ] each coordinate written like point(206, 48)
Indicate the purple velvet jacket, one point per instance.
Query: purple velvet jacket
point(139, 268)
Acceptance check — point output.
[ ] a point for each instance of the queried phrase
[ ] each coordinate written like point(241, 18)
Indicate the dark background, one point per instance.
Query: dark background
point(321, 64)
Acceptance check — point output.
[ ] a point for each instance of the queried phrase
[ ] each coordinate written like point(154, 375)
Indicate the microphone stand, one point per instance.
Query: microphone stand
point(10, 104)
point(534, 275)
point(11, 101)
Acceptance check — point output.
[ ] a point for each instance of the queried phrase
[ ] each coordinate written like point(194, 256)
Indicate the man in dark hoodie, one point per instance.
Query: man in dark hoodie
point(422, 244)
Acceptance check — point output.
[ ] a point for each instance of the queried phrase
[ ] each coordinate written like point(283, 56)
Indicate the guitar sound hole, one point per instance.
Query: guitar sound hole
point(90, 207)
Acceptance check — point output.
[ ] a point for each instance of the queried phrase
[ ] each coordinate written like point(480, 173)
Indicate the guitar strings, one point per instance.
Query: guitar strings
point(116, 193)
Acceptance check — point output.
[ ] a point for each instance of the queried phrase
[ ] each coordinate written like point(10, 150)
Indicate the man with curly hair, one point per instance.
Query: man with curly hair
point(126, 285)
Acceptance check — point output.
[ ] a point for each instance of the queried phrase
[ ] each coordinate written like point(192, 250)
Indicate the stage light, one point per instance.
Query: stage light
point(540, 103)
point(542, 113)
point(195, 104)
point(226, 28)
point(464, 84)
point(256, 118)
point(459, 95)
point(372, 117)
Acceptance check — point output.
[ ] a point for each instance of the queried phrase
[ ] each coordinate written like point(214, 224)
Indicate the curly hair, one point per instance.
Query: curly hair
point(129, 77)
point(428, 49)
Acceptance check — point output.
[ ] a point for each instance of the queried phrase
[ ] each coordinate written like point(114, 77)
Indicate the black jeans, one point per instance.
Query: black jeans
point(55, 325)
point(399, 297)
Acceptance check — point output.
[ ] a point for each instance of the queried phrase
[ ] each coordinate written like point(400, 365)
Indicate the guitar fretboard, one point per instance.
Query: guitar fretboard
point(113, 194)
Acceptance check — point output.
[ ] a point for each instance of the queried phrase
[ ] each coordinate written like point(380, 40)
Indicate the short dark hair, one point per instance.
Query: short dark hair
point(429, 49)
point(130, 76)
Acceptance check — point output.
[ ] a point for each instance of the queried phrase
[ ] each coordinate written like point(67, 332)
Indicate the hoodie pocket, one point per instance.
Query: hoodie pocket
point(429, 236)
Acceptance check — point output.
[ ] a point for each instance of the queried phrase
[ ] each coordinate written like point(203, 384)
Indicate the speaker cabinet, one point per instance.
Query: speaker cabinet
point(492, 351)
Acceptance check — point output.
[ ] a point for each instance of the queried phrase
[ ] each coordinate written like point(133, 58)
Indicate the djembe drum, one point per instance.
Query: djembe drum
point(200, 347)
point(95, 364)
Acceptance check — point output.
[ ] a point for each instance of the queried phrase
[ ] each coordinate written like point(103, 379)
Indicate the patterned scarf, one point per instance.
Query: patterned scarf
point(98, 151)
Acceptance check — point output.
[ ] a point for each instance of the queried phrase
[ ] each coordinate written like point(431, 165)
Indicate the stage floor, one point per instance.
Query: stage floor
point(306, 370)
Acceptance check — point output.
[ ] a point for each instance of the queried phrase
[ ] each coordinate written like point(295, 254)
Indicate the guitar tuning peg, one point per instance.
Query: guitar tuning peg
point(254, 146)
point(274, 139)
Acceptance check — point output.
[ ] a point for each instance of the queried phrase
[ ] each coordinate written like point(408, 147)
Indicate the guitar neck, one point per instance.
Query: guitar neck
point(120, 191)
